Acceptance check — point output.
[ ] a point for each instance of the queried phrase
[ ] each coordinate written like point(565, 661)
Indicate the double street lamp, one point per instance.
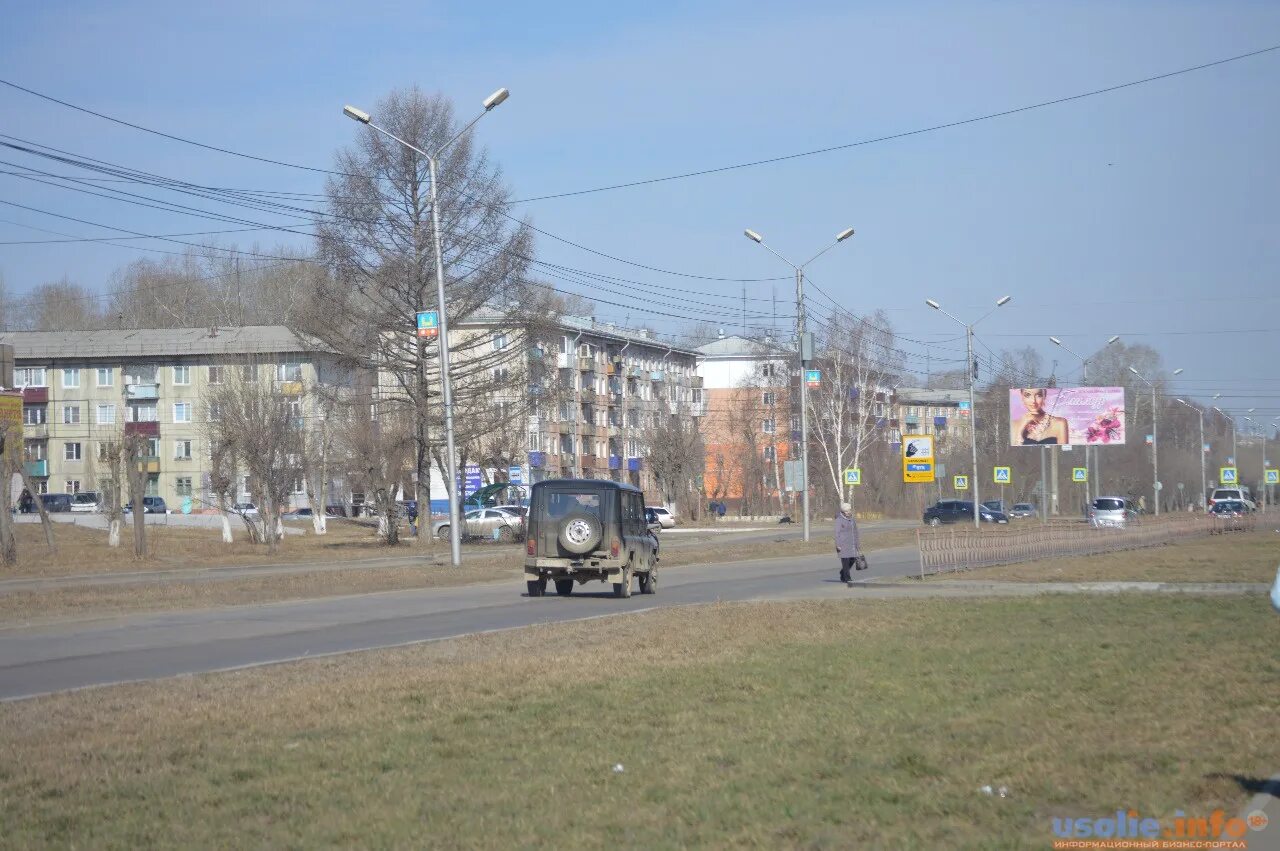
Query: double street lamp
point(973, 409)
point(1155, 438)
point(1084, 379)
point(1261, 427)
point(1231, 420)
point(1204, 479)
point(805, 345)
point(424, 512)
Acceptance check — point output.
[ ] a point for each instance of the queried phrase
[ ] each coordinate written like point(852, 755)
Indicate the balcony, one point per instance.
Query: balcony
point(35, 395)
point(589, 395)
point(37, 469)
point(588, 463)
point(141, 391)
point(637, 372)
point(634, 464)
point(290, 388)
point(537, 460)
point(615, 463)
point(565, 427)
point(564, 361)
point(695, 381)
point(150, 429)
point(149, 463)
point(586, 365)
point(658, 375)
point(36, 431)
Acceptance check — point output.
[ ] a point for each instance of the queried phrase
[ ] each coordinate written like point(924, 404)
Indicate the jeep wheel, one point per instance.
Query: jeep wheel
point(580, 533)
point(443, 533)
point(623, 587)
point(538, 587)
point(564, 587)
point(649, 580)
point(934, 521)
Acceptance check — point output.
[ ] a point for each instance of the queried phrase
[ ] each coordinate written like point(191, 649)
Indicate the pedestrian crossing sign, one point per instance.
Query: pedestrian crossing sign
point(853, 476)
point(1079, 474)
point(1273, 477)
point(1003, 475)
point(961, 483)
point(1227, 475)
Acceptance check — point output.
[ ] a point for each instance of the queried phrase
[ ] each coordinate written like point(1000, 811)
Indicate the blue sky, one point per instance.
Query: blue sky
point(1143, 212)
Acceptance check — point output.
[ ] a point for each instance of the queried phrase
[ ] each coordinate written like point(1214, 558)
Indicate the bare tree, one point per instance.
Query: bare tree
point(111, 487)
point(676, 455)
point(855, 360)
point(379, 450)
point(375, 237)
point(9, 461)
point(136, 448)
point(262, 429)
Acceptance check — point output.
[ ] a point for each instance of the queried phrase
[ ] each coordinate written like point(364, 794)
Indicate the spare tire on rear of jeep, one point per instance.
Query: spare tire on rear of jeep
point(580, 532)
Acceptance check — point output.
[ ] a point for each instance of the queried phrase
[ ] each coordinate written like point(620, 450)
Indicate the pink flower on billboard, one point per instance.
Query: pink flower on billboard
point(1107, 428)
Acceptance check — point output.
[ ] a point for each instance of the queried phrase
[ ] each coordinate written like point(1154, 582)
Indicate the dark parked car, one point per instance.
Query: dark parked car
point(56, 502)
point(150, 505)
point(960, 511)
point(1022, 510)
point(581, 530)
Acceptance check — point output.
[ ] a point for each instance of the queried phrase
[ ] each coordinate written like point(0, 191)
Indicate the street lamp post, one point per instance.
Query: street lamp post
point(1204, 479)
point(1155, 439)
point(802, 343)
point(1084, 379)
point(973, 409)
point(455, 532)
point(1262, 429)
point(1231, 420)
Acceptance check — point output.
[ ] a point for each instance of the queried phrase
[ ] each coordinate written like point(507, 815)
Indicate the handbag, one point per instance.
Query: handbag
point(860, 562)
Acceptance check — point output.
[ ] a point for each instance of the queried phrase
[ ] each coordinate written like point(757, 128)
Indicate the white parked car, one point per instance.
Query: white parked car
point(246, 508)
point(665, 518)
point(86, 502)
point(1222, 494)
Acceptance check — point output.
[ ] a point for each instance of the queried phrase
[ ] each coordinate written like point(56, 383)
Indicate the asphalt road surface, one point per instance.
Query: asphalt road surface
point(70, 655)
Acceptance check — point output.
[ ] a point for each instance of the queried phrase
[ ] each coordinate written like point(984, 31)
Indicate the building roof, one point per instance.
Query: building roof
point(156, 342)
point(587, 325)
point(736, 346)
point(931, 397)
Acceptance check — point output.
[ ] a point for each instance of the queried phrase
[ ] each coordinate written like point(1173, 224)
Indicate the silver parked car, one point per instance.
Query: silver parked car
point(1022, 511)
point(1108, 512)
point(484, 523)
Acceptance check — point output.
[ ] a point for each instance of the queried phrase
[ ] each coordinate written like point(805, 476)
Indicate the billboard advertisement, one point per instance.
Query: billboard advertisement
point(1066, 416)
point(917, 458)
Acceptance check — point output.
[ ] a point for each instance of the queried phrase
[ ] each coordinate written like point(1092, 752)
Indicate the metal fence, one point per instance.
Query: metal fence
point(944, 550)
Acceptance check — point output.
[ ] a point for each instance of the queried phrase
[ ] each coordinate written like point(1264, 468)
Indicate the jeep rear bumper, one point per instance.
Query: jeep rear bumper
point(589, 567)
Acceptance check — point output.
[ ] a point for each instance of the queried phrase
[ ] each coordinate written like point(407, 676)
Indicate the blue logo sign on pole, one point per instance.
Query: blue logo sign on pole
point(428, 324)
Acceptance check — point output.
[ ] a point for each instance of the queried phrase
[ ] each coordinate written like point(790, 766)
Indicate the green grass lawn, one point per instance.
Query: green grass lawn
point(817, 725)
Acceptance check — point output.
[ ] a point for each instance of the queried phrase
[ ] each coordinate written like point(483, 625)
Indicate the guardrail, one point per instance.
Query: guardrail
point(947, 550)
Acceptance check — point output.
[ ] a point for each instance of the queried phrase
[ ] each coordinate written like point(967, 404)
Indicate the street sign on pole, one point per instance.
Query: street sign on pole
point(1227, 475)
point(1273, 477)
point(1003, 475)
point(853, 476)
point(793, 474)
point(813, 377)
point(917, 458)
point(1079, 474)
point(964, 408)
point(428, 324)
point(961, 483)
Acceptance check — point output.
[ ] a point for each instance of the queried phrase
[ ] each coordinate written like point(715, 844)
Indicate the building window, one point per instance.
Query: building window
point(71, 378)
point(795, 423)
point(106, 376)
point(73, 486)
point(71, 451)
point(215, 374)
point(42, 486)
point(182, 450)
point(768, 426)
point(33, 415)
point(768, 370)
point(182, 485)
point(143, 413)
point(501, 375)
point(696, 395)
point(770, 399)
point(30, 376)
point(769, 454)
point(103, 449)
point(182, 412)
point(249, 372)
point(295, 409)
point(289, 372)
point(70, 414)
point(533, 441)
point(181, 375)
point(153, 447)
point(33, 450)
point(215, 412)
point(499, 342)
point(106, 415)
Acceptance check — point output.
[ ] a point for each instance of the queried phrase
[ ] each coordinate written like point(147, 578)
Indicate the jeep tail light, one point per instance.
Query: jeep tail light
point(531, 547)
point(615, 548)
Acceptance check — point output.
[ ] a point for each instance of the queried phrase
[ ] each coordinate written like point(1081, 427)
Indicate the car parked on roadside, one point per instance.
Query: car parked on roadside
point(86, 502)
point(1023, 511)
point(960, 511)
point(484, 523)
point(1108, 512)
point(56, 503)
point(246, 508)
point(1236, 494)
point(665, 518)
point(583, 530)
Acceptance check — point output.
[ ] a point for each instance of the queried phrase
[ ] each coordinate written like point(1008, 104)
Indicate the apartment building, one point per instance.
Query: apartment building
point(917, 410)
point(596, 392)
point(753, 423)
point(84, 389)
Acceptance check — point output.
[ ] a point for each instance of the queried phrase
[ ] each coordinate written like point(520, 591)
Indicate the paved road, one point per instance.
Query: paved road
point(39, 660)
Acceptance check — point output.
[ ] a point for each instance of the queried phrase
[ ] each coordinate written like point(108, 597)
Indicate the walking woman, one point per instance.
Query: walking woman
point(847, 544)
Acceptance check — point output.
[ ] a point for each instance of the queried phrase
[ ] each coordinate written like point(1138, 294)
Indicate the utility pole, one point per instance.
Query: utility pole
point(805, 344)
point(1204, 479)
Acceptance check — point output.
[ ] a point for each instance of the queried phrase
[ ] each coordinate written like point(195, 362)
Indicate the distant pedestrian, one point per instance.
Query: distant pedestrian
point(848, 546)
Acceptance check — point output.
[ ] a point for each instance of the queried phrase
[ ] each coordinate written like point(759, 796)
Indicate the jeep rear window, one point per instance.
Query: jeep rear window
point(561, 503)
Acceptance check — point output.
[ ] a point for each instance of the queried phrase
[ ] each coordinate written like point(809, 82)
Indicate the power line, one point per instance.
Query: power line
point(933, 128)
